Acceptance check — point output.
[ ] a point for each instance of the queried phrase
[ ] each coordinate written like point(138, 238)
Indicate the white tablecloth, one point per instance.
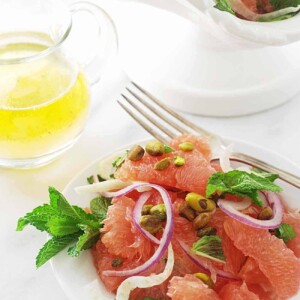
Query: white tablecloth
point(108, 127)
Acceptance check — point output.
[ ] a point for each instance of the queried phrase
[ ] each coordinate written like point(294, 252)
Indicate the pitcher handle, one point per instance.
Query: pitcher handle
point(108, 40)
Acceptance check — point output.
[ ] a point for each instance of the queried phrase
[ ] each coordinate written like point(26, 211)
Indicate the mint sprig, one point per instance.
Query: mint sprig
point(242, 184)
point(66, 224)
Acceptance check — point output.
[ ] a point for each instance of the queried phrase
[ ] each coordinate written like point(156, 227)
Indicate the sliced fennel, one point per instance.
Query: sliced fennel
point(133, 282)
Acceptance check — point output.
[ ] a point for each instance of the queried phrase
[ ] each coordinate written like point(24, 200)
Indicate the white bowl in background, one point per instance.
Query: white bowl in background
point(265, 33)
point(196, 67)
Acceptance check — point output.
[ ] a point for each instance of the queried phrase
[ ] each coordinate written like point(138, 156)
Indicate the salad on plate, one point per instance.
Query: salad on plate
point(167, 223)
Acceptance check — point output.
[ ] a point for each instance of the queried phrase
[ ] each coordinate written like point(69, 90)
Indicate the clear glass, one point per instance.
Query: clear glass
point(44, 84)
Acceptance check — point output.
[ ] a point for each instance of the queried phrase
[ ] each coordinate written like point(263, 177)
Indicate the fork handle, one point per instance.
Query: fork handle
point(254, 162)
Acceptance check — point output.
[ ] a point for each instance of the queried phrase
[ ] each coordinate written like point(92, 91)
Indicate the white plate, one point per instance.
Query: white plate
point(78, 276)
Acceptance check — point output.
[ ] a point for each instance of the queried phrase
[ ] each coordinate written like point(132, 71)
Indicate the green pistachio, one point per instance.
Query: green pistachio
point(266, 213)
point(187, 212)
point(208, 230)
point(155, 148)
point(136, 153)
point(201, 220)
point(159, 210)
point(117, 262)
point(186, 146)
point(179, 161)
point(151, 223)
point(146, 209)
point(199, 203)
point(162, 164)
point(205, 279)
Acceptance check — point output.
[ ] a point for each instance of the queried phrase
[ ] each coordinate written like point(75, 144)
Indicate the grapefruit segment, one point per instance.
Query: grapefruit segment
point(234, 257)
point(192, 176)
point(103, 261)
point(271, 254)
point(252, 274)
point(256, 280)
point(237, 290)
point(183, 231)
point(120, 236)
point(189, 287)
point(201, 144)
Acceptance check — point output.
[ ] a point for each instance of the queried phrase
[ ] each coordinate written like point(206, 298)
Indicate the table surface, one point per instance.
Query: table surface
point(108, 128)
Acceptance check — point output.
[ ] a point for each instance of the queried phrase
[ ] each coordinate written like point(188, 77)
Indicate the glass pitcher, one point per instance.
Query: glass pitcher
point(44, 80)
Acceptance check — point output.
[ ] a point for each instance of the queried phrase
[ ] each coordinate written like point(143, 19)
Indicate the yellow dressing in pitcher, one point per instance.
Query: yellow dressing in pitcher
point(43, 103)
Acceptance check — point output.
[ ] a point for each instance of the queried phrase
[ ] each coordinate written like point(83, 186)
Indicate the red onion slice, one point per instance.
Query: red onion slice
point(275, 204)
point(166, 237)
point(203, 264)
point(136, 214)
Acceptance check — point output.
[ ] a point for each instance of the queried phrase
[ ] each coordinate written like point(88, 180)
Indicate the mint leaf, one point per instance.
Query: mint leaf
point(168, 149)
point(99, 206)
point(280, 4)
point(100, 179)
point(209, 246)
point(62, 225)
point(270, 176)
point(65, 208)
point(54, 246)
point(91, 180)
point(119, 160)
point(58, 201)
point(85, 241)
point(240, 183)
point(285, 232)
point(86, 218)
point(223, 5)
point(37, 218)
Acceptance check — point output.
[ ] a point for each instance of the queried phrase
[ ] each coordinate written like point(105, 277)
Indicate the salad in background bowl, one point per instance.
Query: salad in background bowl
point(196, 224)
point(264, 22)
point(260, 10)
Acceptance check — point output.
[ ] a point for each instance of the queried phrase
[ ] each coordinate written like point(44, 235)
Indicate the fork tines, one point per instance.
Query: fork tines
point(155, 117)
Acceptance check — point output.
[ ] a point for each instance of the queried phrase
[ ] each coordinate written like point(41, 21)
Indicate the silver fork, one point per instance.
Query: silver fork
point(164, 124)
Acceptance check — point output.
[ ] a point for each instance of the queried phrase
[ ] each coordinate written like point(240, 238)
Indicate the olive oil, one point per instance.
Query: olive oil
point(43, 102)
